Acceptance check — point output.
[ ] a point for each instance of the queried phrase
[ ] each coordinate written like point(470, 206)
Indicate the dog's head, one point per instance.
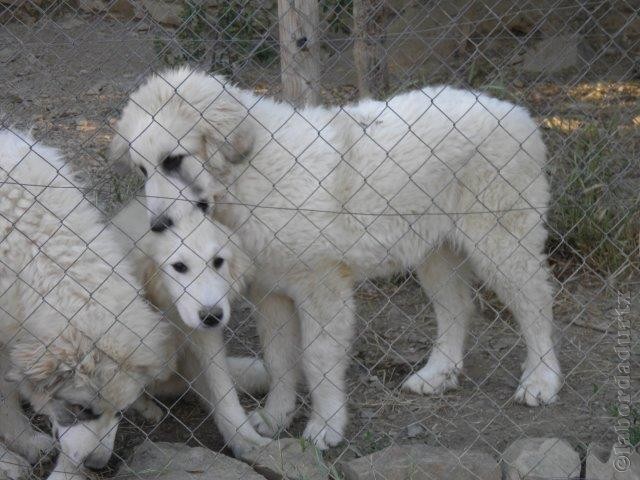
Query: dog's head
point(83, 382)
point(203, 268)
point(176, 124)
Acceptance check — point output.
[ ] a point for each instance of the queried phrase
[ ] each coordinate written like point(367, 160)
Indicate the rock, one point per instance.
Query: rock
point(92, 6)
point(167, 14)
point(175, 461)
point(5, 54)
point(12, 466)
point(540, 459)
point(422, 462)
point(288, 458)
point(603, 464)
point(557, 54)
point(414, 430)
point(122, 9)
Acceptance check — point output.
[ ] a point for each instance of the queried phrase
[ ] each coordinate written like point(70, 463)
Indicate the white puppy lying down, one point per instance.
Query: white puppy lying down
point(191, 271)
point(76, 340)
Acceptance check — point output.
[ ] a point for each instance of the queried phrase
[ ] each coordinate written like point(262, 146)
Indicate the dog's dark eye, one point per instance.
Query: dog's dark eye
point(172, 163)
point(217, 262)
point(143, 170)
point(82, 412)
point(179, 267)
point(203, 205)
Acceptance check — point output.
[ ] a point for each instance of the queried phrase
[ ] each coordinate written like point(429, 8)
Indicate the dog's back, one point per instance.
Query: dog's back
point(63, 265)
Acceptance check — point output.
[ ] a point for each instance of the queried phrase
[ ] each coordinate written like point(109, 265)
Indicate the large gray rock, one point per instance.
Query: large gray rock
point(288, 458)
point(557, 54)
point(165, 13)
point(540, 459)
point(422, 462)
point(175, 461)
point(12, 466)
point(603, 464)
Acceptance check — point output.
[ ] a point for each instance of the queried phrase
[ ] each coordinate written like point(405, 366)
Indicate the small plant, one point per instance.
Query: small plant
point(219, 38)
point(634, 428)
point(595, 216)
point(338, 14)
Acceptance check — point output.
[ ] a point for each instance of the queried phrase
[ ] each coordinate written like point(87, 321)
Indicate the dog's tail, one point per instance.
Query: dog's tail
point(249, 374)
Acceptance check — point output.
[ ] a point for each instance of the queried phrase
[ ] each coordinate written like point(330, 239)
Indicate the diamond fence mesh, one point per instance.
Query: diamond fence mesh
point(366, 268)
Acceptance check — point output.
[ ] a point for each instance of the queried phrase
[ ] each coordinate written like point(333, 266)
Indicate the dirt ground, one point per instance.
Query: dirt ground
point(69, 79)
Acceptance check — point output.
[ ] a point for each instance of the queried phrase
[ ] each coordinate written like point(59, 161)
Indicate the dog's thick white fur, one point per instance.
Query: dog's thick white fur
point(75, 339)
point(440, 180)
point(211, 272)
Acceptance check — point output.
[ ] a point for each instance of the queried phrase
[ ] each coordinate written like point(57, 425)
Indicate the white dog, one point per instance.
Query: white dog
point(440, 180)
point(191, 272)
point(75, 339)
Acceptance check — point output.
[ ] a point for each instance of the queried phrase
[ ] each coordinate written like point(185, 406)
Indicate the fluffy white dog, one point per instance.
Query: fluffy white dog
point(192, 271)
point(439, 180)
point(76, 340)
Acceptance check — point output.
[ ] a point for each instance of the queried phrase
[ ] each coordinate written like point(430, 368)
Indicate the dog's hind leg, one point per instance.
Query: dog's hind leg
point(445, 278)
point(221, 395)
point(278, 326)
point(15, 428)
point(326, 308)
point(516, 269)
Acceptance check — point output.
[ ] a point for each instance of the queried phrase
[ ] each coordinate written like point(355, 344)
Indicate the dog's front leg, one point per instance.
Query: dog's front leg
point(15, 427)
point(279, 330)
point(66, 469)
point(326, 308)
point(231, 419)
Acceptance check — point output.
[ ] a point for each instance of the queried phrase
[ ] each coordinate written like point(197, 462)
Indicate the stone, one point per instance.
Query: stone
point(540, 459)
point(122, 9)
point(288, 458)
point(92, 6)
point(414, 430)
point(602, 463)
point(175, 461)
point(12, 465)
point(422, 462)
point(556, 54)
point(167, 14)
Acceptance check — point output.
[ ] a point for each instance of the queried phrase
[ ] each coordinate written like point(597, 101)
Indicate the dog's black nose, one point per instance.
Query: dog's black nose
point(211, 316)
point(161, 223)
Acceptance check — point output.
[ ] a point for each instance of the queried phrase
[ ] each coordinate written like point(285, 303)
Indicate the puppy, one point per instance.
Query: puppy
point(191, 271)
point(446, 182)
point(76, 340)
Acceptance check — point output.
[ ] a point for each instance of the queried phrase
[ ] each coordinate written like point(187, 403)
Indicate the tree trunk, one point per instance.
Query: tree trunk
point(299, 51)
point(370, 24)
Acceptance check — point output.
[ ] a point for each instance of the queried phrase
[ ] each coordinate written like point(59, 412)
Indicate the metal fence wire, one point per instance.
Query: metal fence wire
point(336, 226)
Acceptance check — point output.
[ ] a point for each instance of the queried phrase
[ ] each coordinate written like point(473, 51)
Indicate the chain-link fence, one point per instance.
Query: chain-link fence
point(361, 250)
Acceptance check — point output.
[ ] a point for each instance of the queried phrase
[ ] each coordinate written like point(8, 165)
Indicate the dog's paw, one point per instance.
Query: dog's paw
point(34, 445)
point(269, 423)
point(65, 475)
point(431, 382)
point(240, 447)
point(539, 386)
point(151, 412)
point(323, 435)
point(12, 466)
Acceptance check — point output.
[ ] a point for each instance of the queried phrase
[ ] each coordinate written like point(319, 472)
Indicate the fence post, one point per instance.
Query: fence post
point(370, 24)
point(299, 51)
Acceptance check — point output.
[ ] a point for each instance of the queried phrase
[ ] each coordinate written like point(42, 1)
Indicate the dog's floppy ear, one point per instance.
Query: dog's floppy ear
point(228, 128)
point(118, 153)
point(38, 364)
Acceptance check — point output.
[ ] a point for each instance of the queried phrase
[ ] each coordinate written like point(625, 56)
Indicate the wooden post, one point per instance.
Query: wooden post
point(370, 24)
point(300, 51)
